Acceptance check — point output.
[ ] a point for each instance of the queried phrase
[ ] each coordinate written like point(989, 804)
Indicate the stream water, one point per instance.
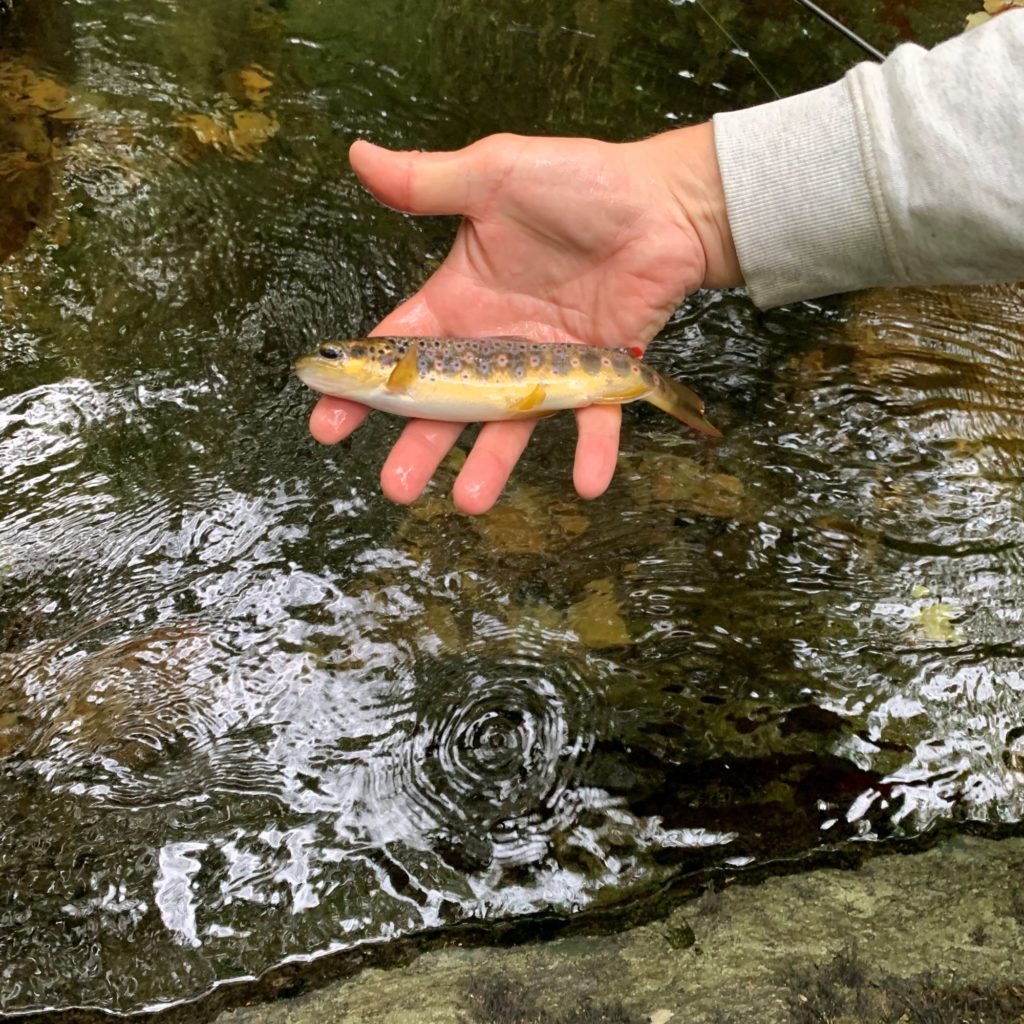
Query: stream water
point(252, 712)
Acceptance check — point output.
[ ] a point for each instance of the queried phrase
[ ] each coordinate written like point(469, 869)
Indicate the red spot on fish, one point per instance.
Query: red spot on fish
point(636, 351)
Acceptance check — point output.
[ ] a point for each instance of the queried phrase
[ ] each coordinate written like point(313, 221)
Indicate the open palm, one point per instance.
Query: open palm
point(561, 240)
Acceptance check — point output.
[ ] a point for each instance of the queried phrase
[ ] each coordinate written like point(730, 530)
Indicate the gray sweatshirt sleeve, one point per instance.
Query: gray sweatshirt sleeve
point(909, 172)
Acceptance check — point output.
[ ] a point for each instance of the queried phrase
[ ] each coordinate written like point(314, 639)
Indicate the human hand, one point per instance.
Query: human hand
point(561, 240)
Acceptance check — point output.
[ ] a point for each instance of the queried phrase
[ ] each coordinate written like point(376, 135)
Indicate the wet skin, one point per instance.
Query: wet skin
point(562, 240)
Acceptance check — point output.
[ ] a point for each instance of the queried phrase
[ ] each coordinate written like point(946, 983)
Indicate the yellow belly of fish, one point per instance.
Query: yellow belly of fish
point(481, 401)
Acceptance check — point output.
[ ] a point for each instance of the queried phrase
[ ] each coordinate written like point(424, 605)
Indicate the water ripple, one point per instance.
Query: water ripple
point(491, 753)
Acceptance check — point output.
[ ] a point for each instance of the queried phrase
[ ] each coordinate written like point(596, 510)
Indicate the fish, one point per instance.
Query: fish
point(471, 380)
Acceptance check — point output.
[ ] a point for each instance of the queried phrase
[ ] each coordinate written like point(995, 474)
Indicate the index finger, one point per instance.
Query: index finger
point(333, 419)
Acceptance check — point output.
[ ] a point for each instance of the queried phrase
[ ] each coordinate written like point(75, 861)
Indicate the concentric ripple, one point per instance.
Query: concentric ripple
point(493, 752)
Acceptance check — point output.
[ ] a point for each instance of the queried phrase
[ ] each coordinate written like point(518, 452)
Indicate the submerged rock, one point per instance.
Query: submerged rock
point(597, 618)
point(677, 480)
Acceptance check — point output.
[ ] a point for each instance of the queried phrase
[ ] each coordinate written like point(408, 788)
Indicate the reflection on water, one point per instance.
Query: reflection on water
point(249, 711)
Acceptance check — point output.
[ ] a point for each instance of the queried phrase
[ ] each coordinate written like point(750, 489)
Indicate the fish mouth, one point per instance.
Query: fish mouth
point(305, 369)
point(312, 372)
point(341, 379)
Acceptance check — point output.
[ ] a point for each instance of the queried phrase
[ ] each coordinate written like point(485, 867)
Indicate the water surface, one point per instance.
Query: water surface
point(250, 711)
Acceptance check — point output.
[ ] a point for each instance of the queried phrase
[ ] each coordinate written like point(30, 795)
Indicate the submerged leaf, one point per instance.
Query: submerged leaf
point(29, 143)
point(256, 83)
point(536, 619)
point(936, 621)
point(439, 631)
point(16, 162)
point(251, 129)
point(248, 130)
point(206, 130)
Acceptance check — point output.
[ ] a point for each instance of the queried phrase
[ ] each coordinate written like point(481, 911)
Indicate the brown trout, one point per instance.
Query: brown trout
point(479, 379)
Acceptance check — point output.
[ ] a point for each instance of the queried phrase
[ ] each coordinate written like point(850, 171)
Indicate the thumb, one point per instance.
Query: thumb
point(426, 183)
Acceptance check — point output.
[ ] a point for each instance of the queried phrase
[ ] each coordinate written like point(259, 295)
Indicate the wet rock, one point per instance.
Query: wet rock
point(824, 945)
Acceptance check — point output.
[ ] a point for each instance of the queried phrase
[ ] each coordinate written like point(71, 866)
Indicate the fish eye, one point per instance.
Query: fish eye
point(330, 351)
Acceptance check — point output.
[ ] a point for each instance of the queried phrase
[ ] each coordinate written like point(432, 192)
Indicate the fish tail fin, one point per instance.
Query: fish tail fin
point(679, 401)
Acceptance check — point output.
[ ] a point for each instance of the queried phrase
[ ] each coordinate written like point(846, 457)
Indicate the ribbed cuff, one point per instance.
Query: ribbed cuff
point(799, 199)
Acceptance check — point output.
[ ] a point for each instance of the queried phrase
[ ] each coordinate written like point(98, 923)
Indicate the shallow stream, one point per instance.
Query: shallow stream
point(252, 712)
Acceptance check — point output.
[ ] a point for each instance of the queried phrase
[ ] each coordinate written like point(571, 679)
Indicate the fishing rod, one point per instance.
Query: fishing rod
point(841, 28)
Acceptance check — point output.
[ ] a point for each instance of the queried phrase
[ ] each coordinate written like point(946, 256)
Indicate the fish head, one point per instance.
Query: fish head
point(346, 369)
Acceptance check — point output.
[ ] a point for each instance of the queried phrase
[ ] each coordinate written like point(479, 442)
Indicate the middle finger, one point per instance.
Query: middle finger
point(415, 456)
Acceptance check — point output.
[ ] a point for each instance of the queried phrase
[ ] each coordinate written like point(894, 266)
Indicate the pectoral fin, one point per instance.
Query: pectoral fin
point(406, 370)
point(531, 401)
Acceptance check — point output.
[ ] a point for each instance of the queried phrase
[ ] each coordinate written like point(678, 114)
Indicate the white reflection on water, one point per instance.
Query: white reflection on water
point(175, 890)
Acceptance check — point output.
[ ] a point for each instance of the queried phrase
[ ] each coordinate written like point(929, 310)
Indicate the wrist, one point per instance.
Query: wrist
point(686, 161)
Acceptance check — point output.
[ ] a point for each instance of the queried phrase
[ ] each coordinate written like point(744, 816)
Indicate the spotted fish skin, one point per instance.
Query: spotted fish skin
point(482, 379)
